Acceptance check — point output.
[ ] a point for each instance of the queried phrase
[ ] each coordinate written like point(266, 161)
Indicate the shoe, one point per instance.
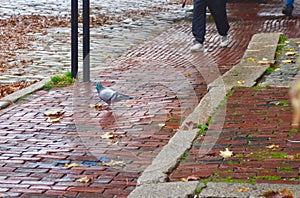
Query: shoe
point(224, 41)
point(287, 11)
point(197, 47)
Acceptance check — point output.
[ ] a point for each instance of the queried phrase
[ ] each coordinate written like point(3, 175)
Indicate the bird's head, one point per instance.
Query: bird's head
point(98, 86)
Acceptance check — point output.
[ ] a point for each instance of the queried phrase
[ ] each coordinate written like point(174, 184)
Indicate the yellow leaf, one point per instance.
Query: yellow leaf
point(240, 82)
point(291, 54)
point(188, 75)
point(183, 179)
point(226, 154)
point(277, 69)
point(244, 189)
point(272, 146)
point(108, 135)
point(85, 179)
point(72, 165)
point(97, 106)
point(54, 120)
point(54, 112)
point(251, 59)
point(113, 143)
point(264, 62)
point(114, 163)
point(288, 61)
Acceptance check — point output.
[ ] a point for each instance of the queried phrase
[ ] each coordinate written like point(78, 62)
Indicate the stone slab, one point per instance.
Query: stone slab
point(166, 190)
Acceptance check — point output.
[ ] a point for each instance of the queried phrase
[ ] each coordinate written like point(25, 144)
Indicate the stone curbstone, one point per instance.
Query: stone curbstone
point(11, 98)
point(166, 190)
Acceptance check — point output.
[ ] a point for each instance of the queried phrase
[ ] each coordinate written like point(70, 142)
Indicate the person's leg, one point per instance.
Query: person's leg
point(288, 9)
point(199, 20)
point(289, 3)
point(218, 11)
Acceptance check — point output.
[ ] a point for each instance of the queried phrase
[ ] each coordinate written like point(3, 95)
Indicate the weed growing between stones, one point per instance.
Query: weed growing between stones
point(60, 81)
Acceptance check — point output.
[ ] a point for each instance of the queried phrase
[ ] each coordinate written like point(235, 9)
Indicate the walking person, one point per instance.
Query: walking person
point(288, 9)
point(219, 13)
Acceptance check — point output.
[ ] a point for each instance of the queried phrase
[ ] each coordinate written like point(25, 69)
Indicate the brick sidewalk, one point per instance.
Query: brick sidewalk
point(34, 152)
point(255, 119)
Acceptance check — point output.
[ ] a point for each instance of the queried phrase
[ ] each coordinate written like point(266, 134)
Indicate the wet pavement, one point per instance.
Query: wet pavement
point(116, 27)
point(167, 82)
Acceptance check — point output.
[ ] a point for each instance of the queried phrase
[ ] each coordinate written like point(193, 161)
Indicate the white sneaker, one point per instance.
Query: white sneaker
point(224, 41)
point(197, 47)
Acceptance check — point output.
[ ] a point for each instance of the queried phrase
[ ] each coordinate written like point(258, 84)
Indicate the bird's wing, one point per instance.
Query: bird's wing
point(116, 97)
point(106, 95)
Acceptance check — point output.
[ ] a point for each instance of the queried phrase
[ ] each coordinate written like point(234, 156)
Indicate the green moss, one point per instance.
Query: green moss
point(203, 128)
point(232, 162)
point(262, 155)
point(285, 169)
point(239, 155)
point(60, 81)
point(185, 155)
point(268, 177)
point(270, 70)
point(23, 97)
point(293, 130)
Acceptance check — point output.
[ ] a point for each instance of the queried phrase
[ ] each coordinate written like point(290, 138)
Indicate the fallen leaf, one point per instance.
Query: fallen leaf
point(288, 61)
point(262, 62)
point(251, 59)
point(243, 189)
point(108, 135)
point(54, 112)
point(113, 143)
point(240, 82)
point(275, 194)
point(183, 179)
point(188, 75)
point(291, 54)
point(272, 146)
point(85, 179)
point(226, 154)
point(114, 163)
point(277, 69)
point(290, 157)
point(54, 120)
point(161, 124)
point(72, 165)
point(97, 106)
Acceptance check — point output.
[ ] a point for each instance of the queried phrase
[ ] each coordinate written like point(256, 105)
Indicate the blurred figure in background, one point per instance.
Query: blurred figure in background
point(295, 100)
point(218, 11)
point(288, 9)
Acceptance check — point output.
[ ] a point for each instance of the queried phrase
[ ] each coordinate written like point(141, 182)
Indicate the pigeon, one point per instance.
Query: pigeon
point(110, 96)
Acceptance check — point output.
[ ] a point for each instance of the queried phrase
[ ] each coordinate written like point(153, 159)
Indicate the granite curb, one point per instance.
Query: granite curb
point(259, 55)
point(11, 98)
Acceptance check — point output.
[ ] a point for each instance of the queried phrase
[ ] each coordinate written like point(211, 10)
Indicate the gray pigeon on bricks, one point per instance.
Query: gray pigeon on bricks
point(110, 96)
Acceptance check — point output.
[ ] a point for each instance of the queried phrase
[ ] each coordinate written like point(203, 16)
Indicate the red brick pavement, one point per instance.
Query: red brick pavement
point(255, 119)
point(167, 82)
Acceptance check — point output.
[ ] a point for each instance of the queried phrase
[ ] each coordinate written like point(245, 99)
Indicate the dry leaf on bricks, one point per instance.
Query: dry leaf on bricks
point(54, 112)
point(85, 179)
point(108, 135)
point(272, 146)
point(74, 164)
point(226, 154)
point(114, 163)
point(53, 120)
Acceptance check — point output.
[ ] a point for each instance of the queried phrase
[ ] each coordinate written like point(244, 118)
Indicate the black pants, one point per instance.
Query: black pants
point(218, 11)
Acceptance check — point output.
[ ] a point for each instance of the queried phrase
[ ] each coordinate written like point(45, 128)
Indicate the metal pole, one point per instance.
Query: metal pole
point(74, 38)
point(86, 40)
